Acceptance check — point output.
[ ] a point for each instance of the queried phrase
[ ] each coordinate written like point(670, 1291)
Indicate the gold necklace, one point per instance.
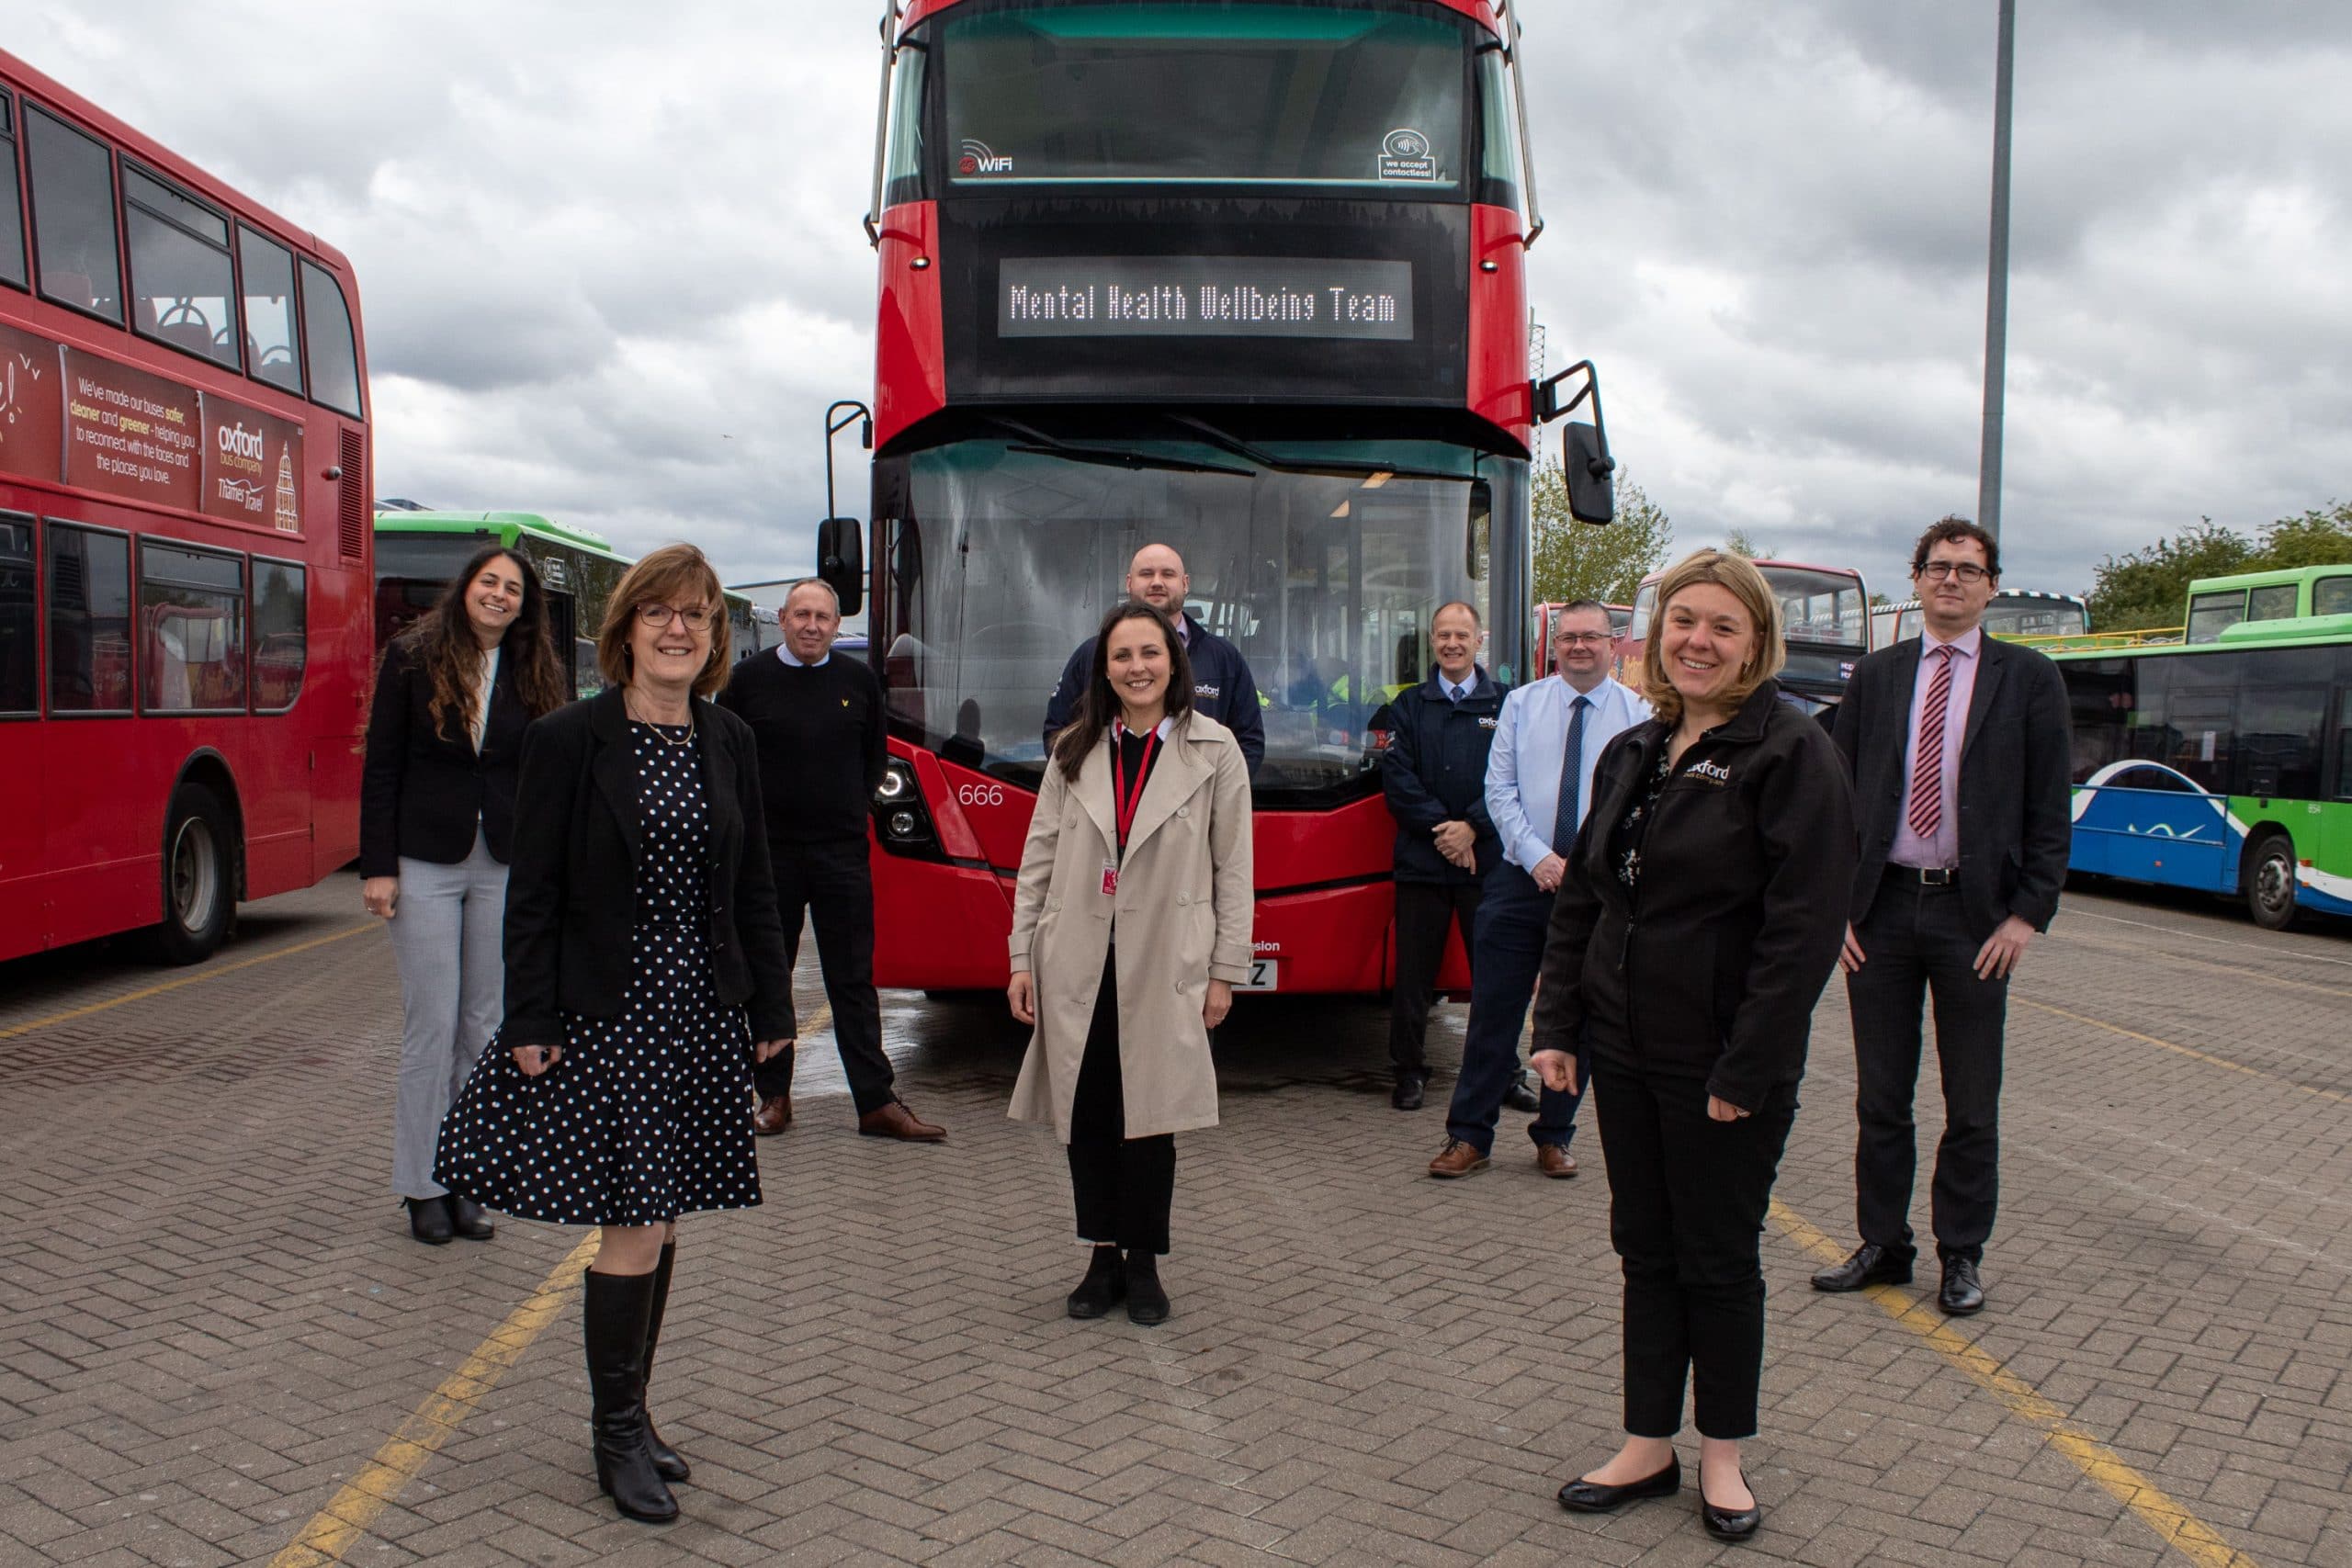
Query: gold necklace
point(659, 732)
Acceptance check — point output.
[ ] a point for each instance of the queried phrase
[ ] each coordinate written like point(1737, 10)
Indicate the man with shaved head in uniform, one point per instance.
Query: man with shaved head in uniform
point(1222, 685)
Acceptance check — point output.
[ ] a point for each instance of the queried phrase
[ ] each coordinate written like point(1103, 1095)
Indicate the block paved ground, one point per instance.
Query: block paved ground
point(211, 1317)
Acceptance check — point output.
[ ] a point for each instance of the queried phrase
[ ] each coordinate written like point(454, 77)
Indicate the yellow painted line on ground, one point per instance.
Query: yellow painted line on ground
point(210, 972)
point(2188, 1051)
point(340, 1526)
point(2175, 1524)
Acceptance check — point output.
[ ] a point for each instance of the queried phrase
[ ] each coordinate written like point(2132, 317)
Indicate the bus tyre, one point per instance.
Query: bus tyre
point(2270, 881)
point(197, 899)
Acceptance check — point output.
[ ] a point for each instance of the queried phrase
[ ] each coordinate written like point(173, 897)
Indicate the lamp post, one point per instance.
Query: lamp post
point(1997, 288)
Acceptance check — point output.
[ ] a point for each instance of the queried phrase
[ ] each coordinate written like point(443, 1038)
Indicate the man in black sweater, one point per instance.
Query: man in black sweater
point(820, 725)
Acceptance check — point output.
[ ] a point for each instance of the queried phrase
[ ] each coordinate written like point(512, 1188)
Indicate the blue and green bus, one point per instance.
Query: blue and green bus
point(2225, 763)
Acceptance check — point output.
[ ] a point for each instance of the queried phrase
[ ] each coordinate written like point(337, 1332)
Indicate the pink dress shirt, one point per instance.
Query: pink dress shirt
point(1941, 848)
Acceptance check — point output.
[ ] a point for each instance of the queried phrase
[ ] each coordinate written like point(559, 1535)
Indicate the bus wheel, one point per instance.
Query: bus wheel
point(196, 898)
point(2271, 882)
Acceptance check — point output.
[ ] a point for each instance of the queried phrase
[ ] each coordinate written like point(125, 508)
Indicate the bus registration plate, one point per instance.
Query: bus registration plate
point(1264, 976)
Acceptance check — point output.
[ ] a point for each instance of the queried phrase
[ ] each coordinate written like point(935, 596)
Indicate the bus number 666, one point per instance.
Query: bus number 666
point(979, 795)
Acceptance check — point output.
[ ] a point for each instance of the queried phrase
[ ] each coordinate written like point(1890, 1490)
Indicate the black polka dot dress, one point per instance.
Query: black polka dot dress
point(647, 1116)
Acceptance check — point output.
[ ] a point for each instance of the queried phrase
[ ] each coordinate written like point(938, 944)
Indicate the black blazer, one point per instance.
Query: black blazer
point(1712, 965)
point(571, 894)
point(421, 792)
point(2016, 772)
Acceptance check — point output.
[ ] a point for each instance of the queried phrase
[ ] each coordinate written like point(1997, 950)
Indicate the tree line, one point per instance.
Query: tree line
point(2149, 586)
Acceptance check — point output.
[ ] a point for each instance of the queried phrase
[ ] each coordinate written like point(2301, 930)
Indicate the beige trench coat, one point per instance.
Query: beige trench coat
point(1183, 913)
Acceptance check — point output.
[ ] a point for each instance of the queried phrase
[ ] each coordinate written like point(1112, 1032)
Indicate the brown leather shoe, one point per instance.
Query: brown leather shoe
point(1457, 1158)
point(773, 1115)
point(1553, 1160)
point(891, 1119)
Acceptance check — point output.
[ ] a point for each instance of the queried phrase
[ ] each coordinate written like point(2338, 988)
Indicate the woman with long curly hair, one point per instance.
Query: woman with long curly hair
point(436, 814)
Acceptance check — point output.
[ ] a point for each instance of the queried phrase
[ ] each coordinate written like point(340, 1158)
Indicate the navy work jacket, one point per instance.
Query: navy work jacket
point(1223, 688)
point(1435, 770)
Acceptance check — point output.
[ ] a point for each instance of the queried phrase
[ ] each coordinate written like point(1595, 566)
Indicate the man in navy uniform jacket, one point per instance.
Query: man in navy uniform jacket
point(1434, 774)
point(1222, 685)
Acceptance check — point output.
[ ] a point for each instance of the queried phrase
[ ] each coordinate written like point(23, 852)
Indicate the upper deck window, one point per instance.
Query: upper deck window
point(72, 180)
point(269, 311)
point(1275, 92)
point(183, 291)
point(326, 329)
point(12, 209)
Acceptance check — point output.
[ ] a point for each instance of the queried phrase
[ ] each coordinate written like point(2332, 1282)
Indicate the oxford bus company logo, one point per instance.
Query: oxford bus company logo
point(980, 159)
point(1405, 155)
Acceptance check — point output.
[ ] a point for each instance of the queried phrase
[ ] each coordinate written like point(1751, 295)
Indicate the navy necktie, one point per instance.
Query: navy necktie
point(1564, 822)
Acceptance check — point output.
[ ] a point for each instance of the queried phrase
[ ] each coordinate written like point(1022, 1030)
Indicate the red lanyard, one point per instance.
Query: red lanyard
point(1126, 802)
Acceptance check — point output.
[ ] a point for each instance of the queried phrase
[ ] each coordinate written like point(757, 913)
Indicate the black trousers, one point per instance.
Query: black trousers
point(1125, 1187)
point(833, 884)
point(1915, 948)
point(1687, 1201)
point(1425, 912)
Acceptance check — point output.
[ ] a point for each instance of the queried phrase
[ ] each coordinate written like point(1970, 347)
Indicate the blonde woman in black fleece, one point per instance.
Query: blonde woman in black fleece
point(1700, 914)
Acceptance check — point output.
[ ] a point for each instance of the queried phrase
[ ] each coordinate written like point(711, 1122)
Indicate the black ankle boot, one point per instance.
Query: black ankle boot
point(428, 1220)
point(667, 1461)
point(612, 1311)
point(1147, 1303)
point(1105, 1283)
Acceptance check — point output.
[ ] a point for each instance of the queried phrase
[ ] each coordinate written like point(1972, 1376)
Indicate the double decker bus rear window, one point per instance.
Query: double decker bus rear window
point(1296, 93)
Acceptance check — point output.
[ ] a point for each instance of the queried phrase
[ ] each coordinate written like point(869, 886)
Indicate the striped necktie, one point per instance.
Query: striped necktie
point(1928, 766)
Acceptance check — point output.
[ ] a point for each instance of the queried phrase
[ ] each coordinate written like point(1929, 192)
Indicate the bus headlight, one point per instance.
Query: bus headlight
point(904, 825)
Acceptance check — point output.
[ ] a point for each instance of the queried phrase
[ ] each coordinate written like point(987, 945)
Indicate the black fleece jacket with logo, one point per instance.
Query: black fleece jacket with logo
point(1712, 965)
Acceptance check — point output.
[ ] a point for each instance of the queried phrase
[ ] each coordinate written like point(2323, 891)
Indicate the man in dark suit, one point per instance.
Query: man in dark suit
point(1960, 756)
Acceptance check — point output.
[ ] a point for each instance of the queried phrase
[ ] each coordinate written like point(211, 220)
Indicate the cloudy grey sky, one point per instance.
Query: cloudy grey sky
point(611, 268)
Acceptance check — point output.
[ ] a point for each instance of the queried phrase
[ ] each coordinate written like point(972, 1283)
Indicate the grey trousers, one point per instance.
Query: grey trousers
point(447, 928)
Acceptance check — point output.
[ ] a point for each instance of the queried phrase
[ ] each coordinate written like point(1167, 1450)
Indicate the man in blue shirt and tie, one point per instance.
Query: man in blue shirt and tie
point(1539, 783)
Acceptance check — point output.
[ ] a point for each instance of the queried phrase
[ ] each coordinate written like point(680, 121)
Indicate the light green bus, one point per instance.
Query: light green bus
point(2287, 594)
point(418, 552)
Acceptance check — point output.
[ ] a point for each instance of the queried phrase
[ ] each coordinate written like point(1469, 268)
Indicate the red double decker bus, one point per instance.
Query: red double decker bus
point(184, 504)
point(1241, 276)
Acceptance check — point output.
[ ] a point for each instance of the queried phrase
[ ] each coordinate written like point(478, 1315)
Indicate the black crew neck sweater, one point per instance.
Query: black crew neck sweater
point(821, 730)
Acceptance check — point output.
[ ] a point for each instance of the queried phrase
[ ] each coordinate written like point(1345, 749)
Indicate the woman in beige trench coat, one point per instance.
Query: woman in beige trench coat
point(1130, 927)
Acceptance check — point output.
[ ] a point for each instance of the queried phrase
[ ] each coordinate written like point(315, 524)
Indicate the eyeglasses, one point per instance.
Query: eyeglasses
point(697, 619)
point(1937, 570)
point(1582, 639)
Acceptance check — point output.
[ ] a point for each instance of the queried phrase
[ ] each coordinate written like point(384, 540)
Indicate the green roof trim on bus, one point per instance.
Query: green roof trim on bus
point(508, 526)
point(2269, 579)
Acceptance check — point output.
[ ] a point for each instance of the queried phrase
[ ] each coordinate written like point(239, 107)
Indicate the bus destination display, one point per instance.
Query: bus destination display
point(1070, 297)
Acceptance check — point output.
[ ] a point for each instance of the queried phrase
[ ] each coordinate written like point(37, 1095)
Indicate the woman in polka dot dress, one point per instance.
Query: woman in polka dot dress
point(641, 930)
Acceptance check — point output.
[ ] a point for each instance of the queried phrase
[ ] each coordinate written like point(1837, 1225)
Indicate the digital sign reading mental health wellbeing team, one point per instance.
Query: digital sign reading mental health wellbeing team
point(1050, 297)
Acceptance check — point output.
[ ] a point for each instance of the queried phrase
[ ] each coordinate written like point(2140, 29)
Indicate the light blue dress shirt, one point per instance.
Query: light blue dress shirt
point(785, 654)
point(1523, 770)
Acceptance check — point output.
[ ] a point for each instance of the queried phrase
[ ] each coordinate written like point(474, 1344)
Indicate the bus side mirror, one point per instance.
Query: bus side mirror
point(841, 560)
point(1585, 460)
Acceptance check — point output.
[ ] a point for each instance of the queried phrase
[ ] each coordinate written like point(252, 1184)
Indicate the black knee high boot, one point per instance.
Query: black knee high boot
point(668, 1461)
point(613, 1312)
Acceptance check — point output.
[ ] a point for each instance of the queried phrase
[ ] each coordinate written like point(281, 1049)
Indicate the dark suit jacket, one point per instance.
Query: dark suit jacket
point(421, 792)
point(2015, 772)
point(572, 891)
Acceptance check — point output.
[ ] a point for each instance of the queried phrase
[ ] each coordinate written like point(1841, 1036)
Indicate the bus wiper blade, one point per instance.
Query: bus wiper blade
point(1037, 443)
point(1332, 467)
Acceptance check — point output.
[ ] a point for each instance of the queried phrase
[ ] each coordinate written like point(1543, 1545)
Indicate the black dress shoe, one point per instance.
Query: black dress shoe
point(1147, 1303)
point(1520, 1096)
point(428, 1221)
point(1104, 1286)
point(1871, 1265)
point(1582, 1496)
point(1963, 1289)
point(465, 1219)
point(1407, 1096)
point(1729, 1524)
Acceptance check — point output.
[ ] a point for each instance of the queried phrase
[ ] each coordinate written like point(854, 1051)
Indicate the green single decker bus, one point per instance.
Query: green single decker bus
point(2225, 763)
point(418, 552)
